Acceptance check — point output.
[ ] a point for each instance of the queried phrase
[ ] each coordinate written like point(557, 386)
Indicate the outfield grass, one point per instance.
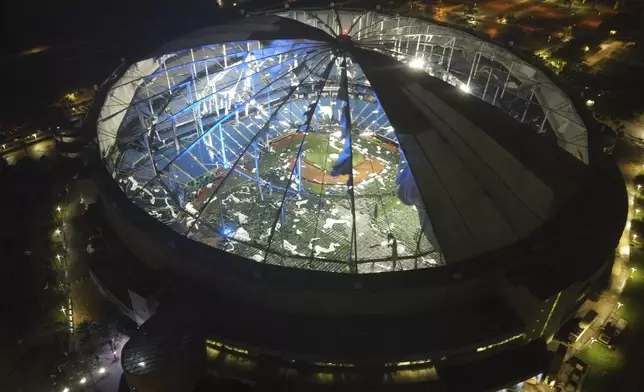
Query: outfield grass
point(317, 150)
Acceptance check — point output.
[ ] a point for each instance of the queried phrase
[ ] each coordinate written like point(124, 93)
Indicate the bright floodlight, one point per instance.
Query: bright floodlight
point(417, 63)
point(465, 88)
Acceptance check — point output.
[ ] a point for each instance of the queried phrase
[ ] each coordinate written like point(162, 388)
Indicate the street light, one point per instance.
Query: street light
point(65, 389)
point(83, 380)
point(101, 370)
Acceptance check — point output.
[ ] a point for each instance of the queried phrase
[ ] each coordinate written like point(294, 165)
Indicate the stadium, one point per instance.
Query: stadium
point(332, 198)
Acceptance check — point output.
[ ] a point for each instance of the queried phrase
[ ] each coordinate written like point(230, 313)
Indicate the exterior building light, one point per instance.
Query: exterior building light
point(417, 63)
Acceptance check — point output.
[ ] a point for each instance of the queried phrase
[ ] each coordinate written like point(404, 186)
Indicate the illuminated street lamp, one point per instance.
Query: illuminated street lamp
point(83, 380)
point(101, 370)
point(417, 63)
point(65, 389)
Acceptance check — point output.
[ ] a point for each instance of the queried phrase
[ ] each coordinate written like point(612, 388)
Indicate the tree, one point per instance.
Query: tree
point(93, 339)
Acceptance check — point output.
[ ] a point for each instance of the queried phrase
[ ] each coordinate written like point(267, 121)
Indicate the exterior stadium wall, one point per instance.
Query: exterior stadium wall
point(246, 283)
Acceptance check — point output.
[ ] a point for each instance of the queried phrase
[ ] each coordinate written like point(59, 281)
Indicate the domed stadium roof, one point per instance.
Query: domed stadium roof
point(342, 141)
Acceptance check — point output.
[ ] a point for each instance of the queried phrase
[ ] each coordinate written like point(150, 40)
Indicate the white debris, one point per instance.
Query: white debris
point(330, 222)
point(290, 247)
point(258, 257)
point(172, 211)
point(300, 203)
point(135, 183)
point(298, 231)
point(242, 218)
point(331, 248)
point(191, 209)
point(241, 235)
point(232, 197)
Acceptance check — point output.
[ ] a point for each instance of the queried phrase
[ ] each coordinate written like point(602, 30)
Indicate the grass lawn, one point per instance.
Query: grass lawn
point(605, 365)
point(317, 150)
point(608, 367)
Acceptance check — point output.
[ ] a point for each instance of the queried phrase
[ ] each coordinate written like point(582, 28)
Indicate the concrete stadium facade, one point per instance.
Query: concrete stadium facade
point(518, 241)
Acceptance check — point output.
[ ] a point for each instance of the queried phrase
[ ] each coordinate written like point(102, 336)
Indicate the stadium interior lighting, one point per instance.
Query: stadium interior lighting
point(245, 153)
